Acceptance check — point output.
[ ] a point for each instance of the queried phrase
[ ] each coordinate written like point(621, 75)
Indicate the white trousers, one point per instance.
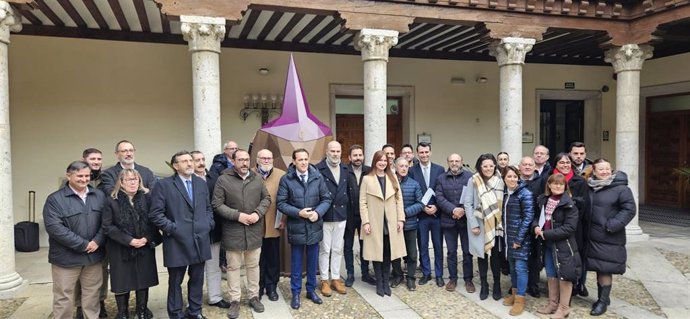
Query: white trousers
point(213, 275)
point(331, 246)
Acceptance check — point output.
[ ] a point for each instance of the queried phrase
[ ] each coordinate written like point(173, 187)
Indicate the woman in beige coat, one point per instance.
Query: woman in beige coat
point(381, 209)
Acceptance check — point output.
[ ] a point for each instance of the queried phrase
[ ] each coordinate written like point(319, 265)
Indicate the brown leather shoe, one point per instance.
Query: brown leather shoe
point(338, 286)
point(450, 286)
point(326, 288)
point(469, 287)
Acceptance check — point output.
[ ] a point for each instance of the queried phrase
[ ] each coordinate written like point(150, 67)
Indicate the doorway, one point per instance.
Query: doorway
point(561, 123)
point(349, 122)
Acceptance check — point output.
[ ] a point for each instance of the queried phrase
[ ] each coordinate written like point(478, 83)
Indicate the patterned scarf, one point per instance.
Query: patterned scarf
point(490, 203)
point(598, 184)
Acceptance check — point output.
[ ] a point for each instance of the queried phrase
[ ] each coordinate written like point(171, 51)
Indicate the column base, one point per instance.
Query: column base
point(10, 284)
point(634, 233)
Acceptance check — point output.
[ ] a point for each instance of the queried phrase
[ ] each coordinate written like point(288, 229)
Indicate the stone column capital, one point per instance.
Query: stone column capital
point(375, 43)
point(10, 21)
point(628, 57)
point(203, 33)
point(511, 50)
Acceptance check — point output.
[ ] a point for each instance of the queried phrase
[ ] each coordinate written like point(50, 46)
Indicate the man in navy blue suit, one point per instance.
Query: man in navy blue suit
point(426, 173)
point(181, 208)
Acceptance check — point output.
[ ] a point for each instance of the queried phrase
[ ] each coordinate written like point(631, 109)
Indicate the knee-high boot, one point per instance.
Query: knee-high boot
point(552, 303)
point(602, 303)
point(122, 301)
point(566, 289)
point(378, 274)
point(142, 301)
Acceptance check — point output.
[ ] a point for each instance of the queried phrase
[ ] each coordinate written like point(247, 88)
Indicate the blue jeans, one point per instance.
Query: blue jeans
point(451, 235)
point(549, 264)
point(433, 225)
point(296, 255)
point(518, 274)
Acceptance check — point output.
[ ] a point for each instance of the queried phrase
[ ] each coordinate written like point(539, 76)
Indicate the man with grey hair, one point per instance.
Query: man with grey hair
point(124, 151)
point(223, 160)
point(335, 174)
point(72, 217)
point(535, 183)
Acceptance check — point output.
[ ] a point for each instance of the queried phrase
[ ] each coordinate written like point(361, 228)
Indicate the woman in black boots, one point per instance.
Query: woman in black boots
point(613, 207)
point(383, 218)
point(132, 243)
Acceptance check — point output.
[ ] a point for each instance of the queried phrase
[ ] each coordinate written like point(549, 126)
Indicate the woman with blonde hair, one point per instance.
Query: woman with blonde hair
point(556, 225)
point(383, 217)
point(131, 248)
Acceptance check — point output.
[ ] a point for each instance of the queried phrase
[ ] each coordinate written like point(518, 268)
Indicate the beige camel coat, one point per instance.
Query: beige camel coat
point(372, 205)
point(270, 218)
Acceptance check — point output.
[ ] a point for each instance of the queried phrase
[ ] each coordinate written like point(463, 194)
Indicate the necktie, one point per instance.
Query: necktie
point(303, 177)
point(188, 184)
point(426, 176)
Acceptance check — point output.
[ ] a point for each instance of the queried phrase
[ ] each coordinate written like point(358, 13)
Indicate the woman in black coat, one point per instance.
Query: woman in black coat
point(556, 225)
point(131, 248)
point(580, 194)
point(613, 207)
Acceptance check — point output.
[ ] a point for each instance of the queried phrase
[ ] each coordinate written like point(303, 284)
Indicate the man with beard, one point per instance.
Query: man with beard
point(94, 158)
point(211, 266)
point(124, 151)
point(181, 208)
point(578, 155)
point(269, 261)
point(241, 199)
point(355, 171)
point(331, 251)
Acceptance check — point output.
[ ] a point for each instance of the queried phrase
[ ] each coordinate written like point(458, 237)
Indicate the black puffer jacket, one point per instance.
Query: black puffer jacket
point(564, 222)
point(613, 207)
point(293, 196)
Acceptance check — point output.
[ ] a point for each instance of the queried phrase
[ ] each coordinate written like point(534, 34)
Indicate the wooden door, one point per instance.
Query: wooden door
point(667, 148)
point(350, 130)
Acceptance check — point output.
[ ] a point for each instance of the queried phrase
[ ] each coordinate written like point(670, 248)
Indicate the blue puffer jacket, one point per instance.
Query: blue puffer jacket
point(518, 212)
point(293, 196)
point(412, 201)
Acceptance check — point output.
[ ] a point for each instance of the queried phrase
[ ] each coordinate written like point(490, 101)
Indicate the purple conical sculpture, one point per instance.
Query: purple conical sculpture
point(296, 127)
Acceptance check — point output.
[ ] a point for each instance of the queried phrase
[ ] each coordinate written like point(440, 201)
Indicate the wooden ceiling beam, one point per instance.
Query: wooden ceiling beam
point(72, 12)
point(119, 14)
point(49, 13)
point(141, 14)
point(96, 14)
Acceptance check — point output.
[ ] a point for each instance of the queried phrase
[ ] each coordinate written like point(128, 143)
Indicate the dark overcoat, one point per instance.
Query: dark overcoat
point(564, 222)
point(185, 225)
point(339, 192)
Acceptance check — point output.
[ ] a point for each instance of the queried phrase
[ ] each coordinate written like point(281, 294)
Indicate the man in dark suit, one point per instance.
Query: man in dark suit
point(124, 151)
point(426, 173)
point(181, 208)
point(356, 169)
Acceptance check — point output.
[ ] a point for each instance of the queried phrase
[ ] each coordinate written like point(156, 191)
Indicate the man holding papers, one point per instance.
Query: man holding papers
point(426, 174)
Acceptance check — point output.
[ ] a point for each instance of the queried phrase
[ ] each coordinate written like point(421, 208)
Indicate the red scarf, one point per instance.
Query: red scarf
point(567, 176)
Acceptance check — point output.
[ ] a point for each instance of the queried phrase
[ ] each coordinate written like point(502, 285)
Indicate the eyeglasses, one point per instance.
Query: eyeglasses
point(265, 158)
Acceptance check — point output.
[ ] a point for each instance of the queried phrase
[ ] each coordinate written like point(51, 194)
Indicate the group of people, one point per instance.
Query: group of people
point(568, 220)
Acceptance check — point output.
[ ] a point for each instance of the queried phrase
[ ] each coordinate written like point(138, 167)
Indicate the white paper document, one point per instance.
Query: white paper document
point(279, 217)
point(428, 195)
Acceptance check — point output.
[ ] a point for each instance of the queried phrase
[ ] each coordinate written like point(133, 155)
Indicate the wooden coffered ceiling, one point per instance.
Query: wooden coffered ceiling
point(295, 26)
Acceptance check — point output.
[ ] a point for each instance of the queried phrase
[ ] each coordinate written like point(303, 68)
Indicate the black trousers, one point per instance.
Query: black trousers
point(451, 235)
point(496, 259)
point(383, 268)
point(195, 285)
point(269, 264)
point(411, 247)
point(353, 228)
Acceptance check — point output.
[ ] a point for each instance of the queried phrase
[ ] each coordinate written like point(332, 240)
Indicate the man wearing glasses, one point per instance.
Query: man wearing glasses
point(124, 151)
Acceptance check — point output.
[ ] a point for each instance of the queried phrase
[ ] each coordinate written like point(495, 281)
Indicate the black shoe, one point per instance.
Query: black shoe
point(396, 281)
point(534, 291)
point(599, 307)
point(410, 284)
point(79, 314)
point(103, 313)
point(497, 291)
point(234, 311)
point(484, 291)
point(369, 279)
point(255, 304)
point(295, 301)
point(199, 316)
point(439, 282)
point(221, 304)
point(582, 290)
point(314, 298)
point(272, 295)
point(424, 280)
point(349, 280)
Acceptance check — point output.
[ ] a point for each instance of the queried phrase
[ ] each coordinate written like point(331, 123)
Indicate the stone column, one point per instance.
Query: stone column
point(204, 35)
point(627, 62)
point(10, 281)
point(510, 53)
point(374, 44)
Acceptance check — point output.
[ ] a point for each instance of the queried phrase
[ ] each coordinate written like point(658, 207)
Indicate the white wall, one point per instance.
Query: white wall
point(70, 94)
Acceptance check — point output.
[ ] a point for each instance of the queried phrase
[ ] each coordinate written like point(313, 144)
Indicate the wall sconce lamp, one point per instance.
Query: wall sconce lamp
point(263, 104)
point(482, 79)
point(457, 80)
